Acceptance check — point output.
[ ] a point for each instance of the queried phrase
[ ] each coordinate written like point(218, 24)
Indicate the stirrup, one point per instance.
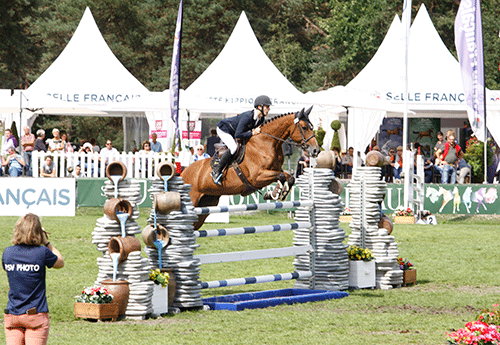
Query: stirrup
point(216, 177)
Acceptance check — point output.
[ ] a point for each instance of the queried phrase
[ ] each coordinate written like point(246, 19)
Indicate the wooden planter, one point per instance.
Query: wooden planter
point(404, 220)
point(106, 311)
point(361, 274)
point(409, 277)
point(345, 219)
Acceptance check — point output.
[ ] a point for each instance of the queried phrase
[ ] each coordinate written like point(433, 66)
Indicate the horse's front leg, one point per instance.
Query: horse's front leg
point(285, 182)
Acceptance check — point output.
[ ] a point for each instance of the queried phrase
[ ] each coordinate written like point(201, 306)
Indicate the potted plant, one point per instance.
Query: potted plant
point(346, 215)
point(475, 332)
point(160, 292)
point(96, 303)
point(409, 271)
point(404, 216)
point(361, 268)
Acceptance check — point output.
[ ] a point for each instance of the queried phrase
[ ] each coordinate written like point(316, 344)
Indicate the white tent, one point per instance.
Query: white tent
point(241, 72)
point(434, 79)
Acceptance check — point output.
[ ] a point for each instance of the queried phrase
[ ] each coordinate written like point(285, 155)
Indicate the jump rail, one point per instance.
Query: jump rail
point(256, 254)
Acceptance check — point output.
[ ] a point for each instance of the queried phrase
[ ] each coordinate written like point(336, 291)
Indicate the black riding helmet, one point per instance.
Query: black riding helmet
point(262, 100)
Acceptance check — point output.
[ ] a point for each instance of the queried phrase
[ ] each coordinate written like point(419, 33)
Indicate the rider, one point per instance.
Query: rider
point(242, 126)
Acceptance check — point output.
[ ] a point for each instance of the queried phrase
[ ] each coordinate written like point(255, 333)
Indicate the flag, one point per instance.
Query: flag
point(469, 44)
point(175, 74)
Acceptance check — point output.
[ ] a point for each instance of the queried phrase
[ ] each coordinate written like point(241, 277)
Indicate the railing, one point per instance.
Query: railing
point(139, 165)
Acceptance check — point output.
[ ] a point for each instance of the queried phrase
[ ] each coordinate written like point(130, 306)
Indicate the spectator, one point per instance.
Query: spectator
point(39, 143)
point(451, 153)
point(86, 148)
point(9, 140)
point(440, 143)
point(26, 318)
point(48, 169)
point(397, 163)
point(463, 168)
point(211, 141)
point(77, 173)
point(155, 145)
point(200, 153)
point(303, 163)
point(146, 147)
point(95, 147)
point(109, 152)
point(348, 160)
point(55, 144)
point(338, 161)
point(68, 148)
point(14, 163)
point(28, 142)
point(191, 158)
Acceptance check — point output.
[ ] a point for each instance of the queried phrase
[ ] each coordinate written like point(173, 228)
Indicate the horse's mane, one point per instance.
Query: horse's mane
point(276, 117)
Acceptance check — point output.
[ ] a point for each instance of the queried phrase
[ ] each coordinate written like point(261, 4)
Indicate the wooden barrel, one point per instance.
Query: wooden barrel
point(325, 160)
point(375, 159)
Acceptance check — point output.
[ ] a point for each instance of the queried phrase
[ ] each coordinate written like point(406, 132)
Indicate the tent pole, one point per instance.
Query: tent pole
point(124, 123)
point(406, 165)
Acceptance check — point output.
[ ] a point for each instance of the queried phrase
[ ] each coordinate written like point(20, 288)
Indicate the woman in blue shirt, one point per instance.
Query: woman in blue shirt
point(26, 317)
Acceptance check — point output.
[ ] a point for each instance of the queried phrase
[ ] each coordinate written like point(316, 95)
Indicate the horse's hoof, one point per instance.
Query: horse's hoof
point(267, 196)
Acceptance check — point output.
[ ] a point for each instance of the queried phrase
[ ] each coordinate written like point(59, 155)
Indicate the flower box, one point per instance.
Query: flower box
point(404, 219)
point(361, 274)
point(103, 311)
point(345, 219)
point(409, 277)
point(160, 300)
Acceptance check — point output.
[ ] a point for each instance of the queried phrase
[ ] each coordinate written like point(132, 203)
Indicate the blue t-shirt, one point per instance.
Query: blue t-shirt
point(25, 266)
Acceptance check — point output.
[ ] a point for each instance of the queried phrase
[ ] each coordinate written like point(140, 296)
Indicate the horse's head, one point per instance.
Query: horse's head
point(303, 133)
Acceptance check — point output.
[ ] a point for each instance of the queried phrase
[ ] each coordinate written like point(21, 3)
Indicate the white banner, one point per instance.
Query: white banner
point(41, 196)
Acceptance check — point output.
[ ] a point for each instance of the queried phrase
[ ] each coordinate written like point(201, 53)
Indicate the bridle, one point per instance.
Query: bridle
point(303, 143)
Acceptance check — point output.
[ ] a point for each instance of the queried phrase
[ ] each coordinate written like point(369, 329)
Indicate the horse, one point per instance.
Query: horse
point(424, 134)
point(466, 198)
point(447, 197)
point(456, 200)
point(394, 131)
point(261, 165)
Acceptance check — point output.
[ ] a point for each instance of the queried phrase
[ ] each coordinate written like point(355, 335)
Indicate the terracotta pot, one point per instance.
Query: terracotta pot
point(116, 168)
point(124, 246)
point(112, 206)
point(120, 290)
point(165, 202)
point(148, 235)
point(336, 186)
point(165, 170)
point(325, 160)
point(386, 223)
point(375, 159)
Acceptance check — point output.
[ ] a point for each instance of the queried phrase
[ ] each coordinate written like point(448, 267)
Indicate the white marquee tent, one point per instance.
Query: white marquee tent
point(434, 79)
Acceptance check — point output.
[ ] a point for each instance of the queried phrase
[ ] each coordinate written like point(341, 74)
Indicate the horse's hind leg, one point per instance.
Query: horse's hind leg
point(205, 201)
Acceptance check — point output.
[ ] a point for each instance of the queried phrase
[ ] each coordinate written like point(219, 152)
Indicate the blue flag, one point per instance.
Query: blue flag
point(175, 74)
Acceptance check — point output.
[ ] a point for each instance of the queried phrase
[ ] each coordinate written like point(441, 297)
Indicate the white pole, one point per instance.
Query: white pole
point(406, 166)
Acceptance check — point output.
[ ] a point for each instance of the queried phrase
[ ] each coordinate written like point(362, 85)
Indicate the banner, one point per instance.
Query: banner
point(41, 196)
point(469, 44)
point(175, 74)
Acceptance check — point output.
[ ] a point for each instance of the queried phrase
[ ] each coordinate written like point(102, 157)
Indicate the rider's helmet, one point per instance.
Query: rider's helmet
point(262, 100)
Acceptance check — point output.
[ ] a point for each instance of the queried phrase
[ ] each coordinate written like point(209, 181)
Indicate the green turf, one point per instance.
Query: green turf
point(457, 265)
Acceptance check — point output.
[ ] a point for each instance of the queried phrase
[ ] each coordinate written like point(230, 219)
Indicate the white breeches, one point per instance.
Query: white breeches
point(228, 140)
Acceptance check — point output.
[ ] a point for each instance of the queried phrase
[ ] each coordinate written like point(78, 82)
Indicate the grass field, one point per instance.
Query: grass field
point(458, 265)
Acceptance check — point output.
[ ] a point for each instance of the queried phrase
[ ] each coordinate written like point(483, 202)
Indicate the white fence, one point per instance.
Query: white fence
point(139, 165)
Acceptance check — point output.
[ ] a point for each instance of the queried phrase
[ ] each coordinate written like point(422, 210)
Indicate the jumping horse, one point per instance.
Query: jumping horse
point(261, 165)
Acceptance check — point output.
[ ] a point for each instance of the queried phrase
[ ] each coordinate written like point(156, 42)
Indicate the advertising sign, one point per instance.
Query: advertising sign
point(41, 196)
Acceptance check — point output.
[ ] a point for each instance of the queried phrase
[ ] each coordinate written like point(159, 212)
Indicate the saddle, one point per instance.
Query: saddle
point(234, 163)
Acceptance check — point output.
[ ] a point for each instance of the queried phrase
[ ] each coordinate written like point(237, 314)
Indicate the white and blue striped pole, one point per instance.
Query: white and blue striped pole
point(256, 279)
point(253, 207)
point(252, 229)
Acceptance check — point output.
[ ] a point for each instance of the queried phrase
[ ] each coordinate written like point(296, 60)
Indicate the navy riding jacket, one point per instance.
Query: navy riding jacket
point(240, 126)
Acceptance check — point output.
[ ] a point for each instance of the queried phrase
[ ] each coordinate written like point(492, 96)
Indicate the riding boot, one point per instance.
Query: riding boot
point(219, 168)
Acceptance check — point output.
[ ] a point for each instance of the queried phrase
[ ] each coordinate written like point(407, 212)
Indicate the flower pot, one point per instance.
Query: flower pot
point(325, 160)
point(160, 300)
point(409, 277)
point(345, 219)
point(124, 246)
point(361, 274)
point(404, 219)
point(93, 311)
point(149, 234)
point(120, 290)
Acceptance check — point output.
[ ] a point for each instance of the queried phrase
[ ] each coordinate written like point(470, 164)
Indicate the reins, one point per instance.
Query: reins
point(304, 140)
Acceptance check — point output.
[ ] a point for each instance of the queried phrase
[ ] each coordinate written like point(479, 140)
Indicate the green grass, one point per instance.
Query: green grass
point(457, 262)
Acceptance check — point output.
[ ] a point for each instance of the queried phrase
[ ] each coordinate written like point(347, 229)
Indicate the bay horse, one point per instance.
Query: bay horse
point(262, 164)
